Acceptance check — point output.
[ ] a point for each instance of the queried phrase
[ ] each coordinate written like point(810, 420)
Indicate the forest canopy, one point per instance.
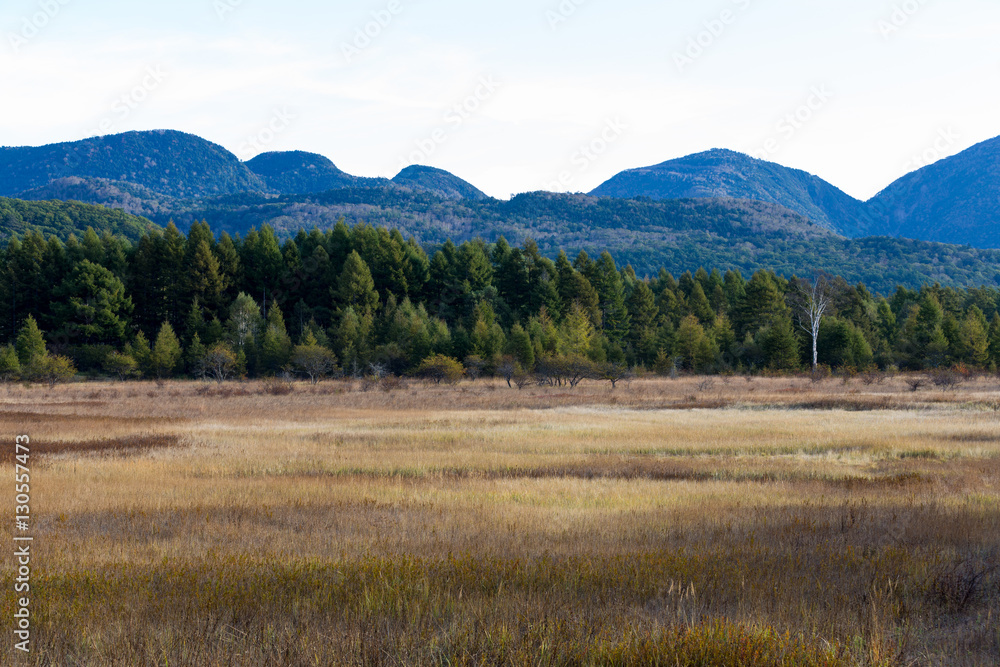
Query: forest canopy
point(352, 299)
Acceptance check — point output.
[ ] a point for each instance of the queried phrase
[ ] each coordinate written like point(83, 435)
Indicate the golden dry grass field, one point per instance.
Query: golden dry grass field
point(675, 522)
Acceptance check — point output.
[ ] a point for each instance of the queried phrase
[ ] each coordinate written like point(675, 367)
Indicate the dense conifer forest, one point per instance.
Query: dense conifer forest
point(365, 300)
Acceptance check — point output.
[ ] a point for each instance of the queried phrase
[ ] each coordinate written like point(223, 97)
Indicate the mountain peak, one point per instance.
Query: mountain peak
point(299, 172)
point(953, 200)
point(294, 158)
point(725, 173)
point(166, 161)
point(438, 181)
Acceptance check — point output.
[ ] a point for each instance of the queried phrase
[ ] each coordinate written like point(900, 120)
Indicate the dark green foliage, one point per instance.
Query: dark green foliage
point(92, 306)
point(139, 350)
point(356, 287)
point(276, 344)
point(607, 281)
point(378, 304)
point(61, 219)
point(676, 234)
point(841, 344)
point(762, 304)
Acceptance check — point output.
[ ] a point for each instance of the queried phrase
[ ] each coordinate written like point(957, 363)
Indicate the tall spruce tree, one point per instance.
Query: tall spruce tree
point(611, 292)
point(356, 288)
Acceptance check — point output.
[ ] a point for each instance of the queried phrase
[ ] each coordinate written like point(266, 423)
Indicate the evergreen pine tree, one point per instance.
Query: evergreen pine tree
point(10, 364)
point(577, 332)
point(611, 291)
point(92, 305)
point(975, 338)
point(30, 343)
point(203, 277)
point(356, 288)
point(762, 305)
point(166, 353)
point(779, 344)
point(994, 337)
point(139, 350)
point(276, 344)
point(700, 306)
point(519, 346)
point(195, 355)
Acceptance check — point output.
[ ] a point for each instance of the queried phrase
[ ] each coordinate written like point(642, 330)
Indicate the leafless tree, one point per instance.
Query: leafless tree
point(474, 366)
point(508, 368)
point(615, 372)
point(315, 361)
point(578, 369)
point(811, 300)
point(522, 379)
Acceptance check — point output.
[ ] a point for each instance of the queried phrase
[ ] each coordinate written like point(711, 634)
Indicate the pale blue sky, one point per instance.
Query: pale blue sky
point(888, 81)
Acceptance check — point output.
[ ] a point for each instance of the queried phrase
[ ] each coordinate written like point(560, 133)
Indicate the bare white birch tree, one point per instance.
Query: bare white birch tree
point(811, 300)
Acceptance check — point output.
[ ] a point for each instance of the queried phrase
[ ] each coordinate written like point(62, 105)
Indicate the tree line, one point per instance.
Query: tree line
point(361, 300)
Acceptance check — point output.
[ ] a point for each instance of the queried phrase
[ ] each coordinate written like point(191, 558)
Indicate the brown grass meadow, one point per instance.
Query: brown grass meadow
point(675, 522)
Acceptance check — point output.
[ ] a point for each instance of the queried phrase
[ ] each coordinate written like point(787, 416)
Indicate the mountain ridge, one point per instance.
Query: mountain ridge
point(726, 173)
point(953, 200)
point(168, 162)
point(159, 172)
point(438, 181)
point(300, 172)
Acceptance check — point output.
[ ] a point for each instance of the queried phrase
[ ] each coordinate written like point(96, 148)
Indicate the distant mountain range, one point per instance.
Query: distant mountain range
point(717, 208)
point(955, 200)
point(722, 173)
point(141, 171)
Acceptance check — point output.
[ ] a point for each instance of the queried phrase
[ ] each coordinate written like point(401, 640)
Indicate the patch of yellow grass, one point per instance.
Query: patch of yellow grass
point(480, 524)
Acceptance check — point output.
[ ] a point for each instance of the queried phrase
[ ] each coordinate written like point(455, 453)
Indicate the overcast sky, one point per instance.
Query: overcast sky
point(517, 95)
